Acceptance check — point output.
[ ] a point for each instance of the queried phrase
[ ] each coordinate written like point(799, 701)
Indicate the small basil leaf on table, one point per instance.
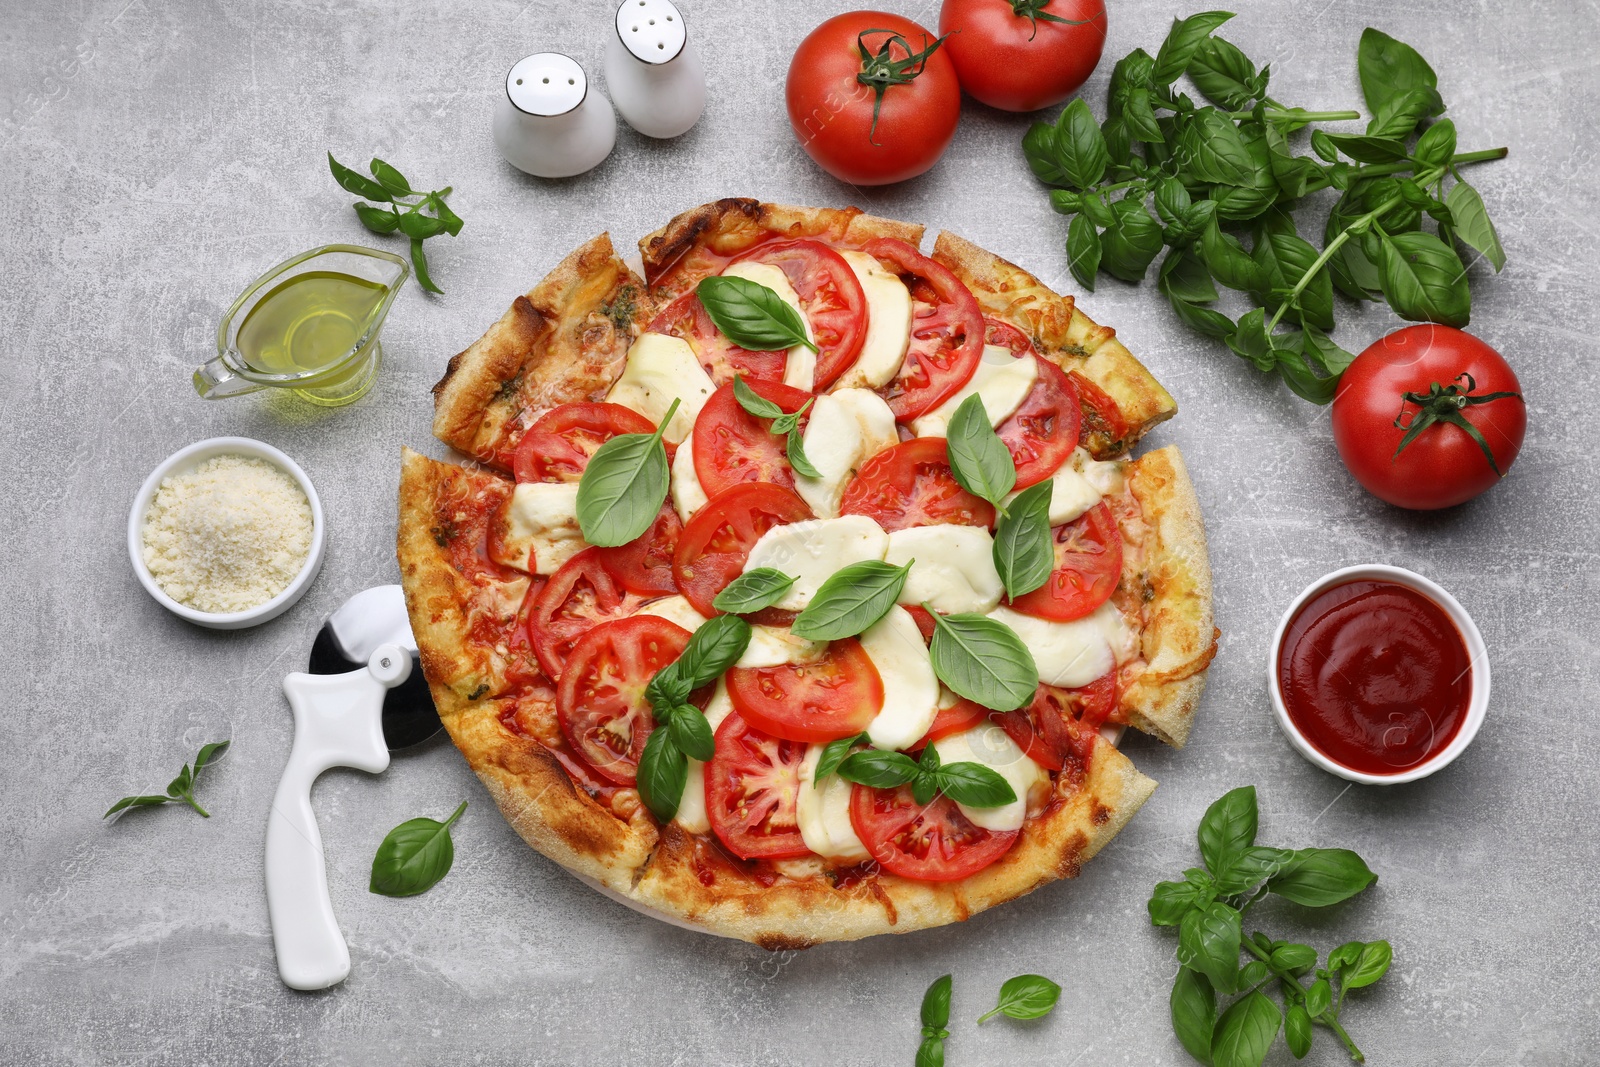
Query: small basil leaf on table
point(181, 788)
point(1228, 827)
point(751, 315)
point(1245, 1032)
point(147, 801)
point(355, 182)
point(691, 732)
point(1317, 877)
point(1170, 901)
point(834, 753)
point(1027, 996)
point(1472, 224)
point(974, 784)
point(1183, 40)
point(1389, 68)
point(1371, 965)
point(376, 219)
point(753, 590)
point(878, 769)
point(980, 461)
point(1297, 1031)
point(1319, 998)
point(1208, 942)
point(936, 1004)
point(419, 263)
point(390, 178)
point(851, 600)
point(663, 772)
point(1193, 1004)
point(712, 649)
point(1083, 250)
point(624, 486)
point(414, 856)
point(983, 660)
point(1023, 553)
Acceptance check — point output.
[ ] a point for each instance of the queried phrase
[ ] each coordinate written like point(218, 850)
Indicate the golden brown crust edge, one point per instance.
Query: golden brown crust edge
point(564, 341)
point(1179, 637)
point(1062, 333)
point(729, 226)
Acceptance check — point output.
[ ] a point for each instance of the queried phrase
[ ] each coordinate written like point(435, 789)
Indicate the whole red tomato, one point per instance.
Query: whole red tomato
point(1021, 55)
point(881, 119)
point(1428, 417)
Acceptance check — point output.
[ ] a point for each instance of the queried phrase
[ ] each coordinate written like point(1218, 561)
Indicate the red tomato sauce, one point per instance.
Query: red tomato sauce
point(1375, 675)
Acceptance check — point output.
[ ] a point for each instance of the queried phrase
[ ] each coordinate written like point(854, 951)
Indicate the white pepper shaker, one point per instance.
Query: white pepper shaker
point(551, 122)
point(653, 70)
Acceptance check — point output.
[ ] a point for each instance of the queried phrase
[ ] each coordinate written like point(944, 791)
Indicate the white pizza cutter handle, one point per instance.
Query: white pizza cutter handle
point(338, 722)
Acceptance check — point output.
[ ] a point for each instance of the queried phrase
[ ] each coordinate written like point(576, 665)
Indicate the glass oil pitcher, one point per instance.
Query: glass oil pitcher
point(310, 324)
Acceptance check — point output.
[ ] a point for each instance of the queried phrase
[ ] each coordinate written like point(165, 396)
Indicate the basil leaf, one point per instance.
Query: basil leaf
point(834, 753)
point(1297, 1031)
point(1209, 322)
point(1245, 1032)
point(1371, 965)
point(973, 784)
point(691, 733)
point(1296, 372)
point(1319, 997)
point(1329, 356)
point(1295, 958)
point(376, 219)
point(1250, 341)
point(663, 772)
point(878, 769)
point(1131, 243)
point(1423, 279)
point(1039, 147)
point(452, 221)
point(795, 448)
point(931, 1052)
point(1365, 148)
point(1253, 974)
point(1214, 149)
point(668, 689)
point(1227, 260)
point(624, 486)
point(390, 178)
point(1388, 68)
point(754, 402)
point(1184, 275)
point(1228, 827)
point(208, 753)
point(1472, 223)
point(1436, 145)
point(1080, 148)
point(1027, 996)
point(1172, 203)
point(354, 182)
point(419, 263)
point(1182, 41)
point(851, 600)
point(1083, 250)
point(751, 315)
point(148, 801)
point(1223, 73)
point(414, 856)
point(1139, 117)
point(1194, 1012)
point(752, 591)
point(1317, 877)
point(1250, 867)
point(712, 649)
point(982, 659)
point(1024, 554)
point(936, 1004)
point(980, 461)
point(1208, 942)
point(1400, 113)
point(1294, 257)
point(415, 224)
point(1171, 901)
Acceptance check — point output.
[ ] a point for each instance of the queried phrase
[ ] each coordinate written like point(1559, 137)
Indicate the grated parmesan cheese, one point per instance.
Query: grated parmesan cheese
point(228, 535)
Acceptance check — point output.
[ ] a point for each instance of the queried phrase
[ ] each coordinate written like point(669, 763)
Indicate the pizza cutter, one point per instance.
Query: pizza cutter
point(362, 698)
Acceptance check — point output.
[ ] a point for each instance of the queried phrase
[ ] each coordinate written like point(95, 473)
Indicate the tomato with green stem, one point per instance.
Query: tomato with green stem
point(1022, 55)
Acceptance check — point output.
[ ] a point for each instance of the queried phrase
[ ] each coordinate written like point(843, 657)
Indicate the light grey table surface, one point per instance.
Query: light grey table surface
point(157, 156)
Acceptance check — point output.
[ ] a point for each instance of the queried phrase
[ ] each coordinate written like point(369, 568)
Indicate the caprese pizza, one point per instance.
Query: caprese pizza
point(799, 583)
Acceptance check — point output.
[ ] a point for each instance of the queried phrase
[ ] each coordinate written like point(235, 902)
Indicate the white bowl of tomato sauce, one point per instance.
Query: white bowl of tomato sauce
point(1378, 675)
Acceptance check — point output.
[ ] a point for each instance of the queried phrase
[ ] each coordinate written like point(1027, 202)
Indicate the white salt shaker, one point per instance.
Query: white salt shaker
point(653, 70)
point(551, 122)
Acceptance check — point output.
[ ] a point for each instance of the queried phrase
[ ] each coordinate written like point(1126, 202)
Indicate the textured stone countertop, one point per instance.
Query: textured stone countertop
point(158, 154)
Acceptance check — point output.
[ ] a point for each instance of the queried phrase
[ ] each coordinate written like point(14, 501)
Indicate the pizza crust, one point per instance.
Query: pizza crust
point(1062, 333)
point(1179, 637)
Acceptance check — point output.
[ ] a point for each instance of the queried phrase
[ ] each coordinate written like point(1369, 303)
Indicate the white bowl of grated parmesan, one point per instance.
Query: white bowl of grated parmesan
point(226, 533)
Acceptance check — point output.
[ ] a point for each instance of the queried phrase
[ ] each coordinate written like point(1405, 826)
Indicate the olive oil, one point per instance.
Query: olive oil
point(309, 323)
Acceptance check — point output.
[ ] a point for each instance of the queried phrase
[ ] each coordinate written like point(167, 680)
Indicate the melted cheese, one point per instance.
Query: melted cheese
point(688, 495)
point(812, 550)
point(800, 368)
point(675, 609)
point(660, 369)
point(834, 445)
point(1070, 654)
point(873, 416)
point(1001, 379)
point(989, 745)
point(542, 519)
point(953, 569)
point(773, 646)
point(910, 689)
point(824, 813)
point(692, 805)
point(888, 324)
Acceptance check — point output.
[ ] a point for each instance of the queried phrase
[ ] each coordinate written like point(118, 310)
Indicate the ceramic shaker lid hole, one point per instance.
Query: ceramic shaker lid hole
point(651, 29)
point(546, 83)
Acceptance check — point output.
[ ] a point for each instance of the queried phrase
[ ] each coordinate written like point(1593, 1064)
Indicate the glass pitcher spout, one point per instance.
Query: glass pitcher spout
point(218, 378)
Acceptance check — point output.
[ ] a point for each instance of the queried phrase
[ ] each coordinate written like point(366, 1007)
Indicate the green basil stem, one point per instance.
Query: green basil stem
point(1284, 114)
point(1329, 1018)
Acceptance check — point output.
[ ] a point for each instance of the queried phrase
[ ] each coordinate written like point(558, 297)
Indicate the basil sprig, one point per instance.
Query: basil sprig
point(624, 486)
point(1027, 996)
point(388, 186)
point(1207, 908)
point(965, 782)
point(683, 730)
point(983, 660)
point(833, 754)
point(1214, 171)
point(1023, 553)
point(751, 315)
point(935, 1023)
point(851, 600)
point(753, 590)
point(180, 789)
point(414, 856)
point(784, 424)
point(980, 461)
